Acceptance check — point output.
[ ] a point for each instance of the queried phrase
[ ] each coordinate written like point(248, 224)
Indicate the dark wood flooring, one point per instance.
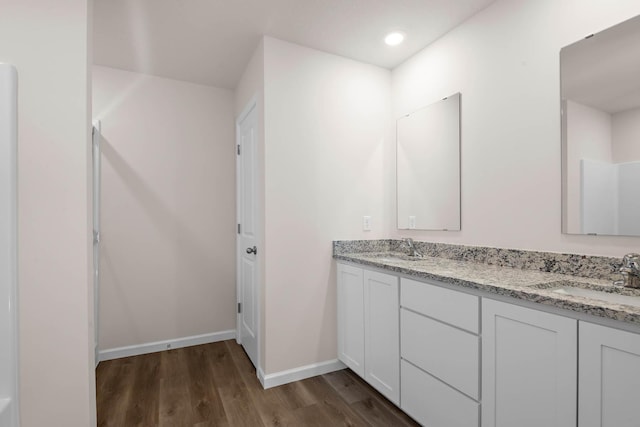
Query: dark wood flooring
point(216, 385)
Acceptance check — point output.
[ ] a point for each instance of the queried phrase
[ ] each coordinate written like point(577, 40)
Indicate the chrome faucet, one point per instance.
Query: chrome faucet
point(413, 252)
point(630, 271)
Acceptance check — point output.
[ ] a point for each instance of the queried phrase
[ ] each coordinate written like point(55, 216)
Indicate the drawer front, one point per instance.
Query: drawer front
point(448, 353)
point(432, 403)
point(452, 307)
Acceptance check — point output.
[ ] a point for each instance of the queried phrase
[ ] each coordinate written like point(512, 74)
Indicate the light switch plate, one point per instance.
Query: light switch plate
point(366, 223)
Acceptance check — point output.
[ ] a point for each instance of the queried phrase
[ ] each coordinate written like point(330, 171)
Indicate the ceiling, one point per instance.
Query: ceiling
point(211, 41)
point(602, 71)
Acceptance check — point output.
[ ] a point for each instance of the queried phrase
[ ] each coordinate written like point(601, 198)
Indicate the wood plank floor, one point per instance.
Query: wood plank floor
point(216, 385)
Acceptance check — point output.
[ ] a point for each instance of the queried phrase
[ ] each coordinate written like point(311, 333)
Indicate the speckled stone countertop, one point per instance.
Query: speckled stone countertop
point(516, 282)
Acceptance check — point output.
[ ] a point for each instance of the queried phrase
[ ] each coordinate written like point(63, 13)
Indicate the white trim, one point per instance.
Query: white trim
point(152, 347)
point(9, 292)
point(301, 373)
point(238, 205)
point(96, 136)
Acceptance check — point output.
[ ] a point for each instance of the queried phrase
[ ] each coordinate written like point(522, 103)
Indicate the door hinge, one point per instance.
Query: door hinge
point(238, 228)
point(239, 308)
point(238, 149)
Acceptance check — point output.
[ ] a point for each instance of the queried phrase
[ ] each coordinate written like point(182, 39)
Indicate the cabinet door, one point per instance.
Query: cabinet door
point(609, 373)
point(529, 367)
point(382, 333)
point(351, 317)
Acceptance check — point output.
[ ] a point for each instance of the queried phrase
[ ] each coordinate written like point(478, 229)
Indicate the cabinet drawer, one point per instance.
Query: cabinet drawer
point(448, 353)
point(452, 307)
point(432, 403)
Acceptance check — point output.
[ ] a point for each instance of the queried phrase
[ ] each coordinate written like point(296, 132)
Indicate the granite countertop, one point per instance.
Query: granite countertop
point(531, 285)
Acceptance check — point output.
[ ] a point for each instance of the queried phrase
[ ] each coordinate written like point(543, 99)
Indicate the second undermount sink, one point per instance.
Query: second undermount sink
point(611, 294)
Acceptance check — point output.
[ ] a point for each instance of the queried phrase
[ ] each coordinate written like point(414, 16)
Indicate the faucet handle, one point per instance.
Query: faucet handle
point(630, 271)
point(631, 260)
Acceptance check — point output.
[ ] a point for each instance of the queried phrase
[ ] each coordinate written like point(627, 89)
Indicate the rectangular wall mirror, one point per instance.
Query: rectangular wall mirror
point(600, 91)
point(428, 167)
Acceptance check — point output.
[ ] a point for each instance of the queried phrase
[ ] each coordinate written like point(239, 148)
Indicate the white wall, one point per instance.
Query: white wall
point(251, 84)
point(49, 44)
point(168, 196)
point(590, 133)
point(505, 62)
point(326, 131)
point(626, 136)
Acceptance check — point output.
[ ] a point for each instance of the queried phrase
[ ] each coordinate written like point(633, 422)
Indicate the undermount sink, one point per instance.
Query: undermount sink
point(399, 257)
point(611, 294)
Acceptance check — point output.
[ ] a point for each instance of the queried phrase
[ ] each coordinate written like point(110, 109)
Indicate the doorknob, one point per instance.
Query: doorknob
point(252, 250)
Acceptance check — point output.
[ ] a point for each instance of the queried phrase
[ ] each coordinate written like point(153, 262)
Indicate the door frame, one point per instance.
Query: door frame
point(252, 105)
point(96, 160)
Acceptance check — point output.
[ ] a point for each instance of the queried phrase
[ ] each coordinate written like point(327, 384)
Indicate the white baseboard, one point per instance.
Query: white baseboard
point(301, 373)
point(152, 347)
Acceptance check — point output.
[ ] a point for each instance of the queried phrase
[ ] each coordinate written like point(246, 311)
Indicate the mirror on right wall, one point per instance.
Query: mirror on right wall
point(600, 91)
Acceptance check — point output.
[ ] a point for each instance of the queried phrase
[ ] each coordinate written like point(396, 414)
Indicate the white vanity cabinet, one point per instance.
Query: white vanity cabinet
point(609, 377)
point(427, 348)
point(368, 327)
point(529, 367)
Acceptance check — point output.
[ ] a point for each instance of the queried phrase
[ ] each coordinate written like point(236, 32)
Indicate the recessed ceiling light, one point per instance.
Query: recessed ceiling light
point(394, 39)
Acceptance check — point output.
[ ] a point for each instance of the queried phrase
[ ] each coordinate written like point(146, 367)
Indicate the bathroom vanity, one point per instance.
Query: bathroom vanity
point(467, 343)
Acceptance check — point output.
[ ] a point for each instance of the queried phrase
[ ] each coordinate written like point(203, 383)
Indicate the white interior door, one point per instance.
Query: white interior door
point(247, 242)
point(96, 230)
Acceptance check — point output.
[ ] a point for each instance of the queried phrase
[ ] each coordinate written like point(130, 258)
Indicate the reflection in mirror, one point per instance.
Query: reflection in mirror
point(428, 167)
point(600, 81)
